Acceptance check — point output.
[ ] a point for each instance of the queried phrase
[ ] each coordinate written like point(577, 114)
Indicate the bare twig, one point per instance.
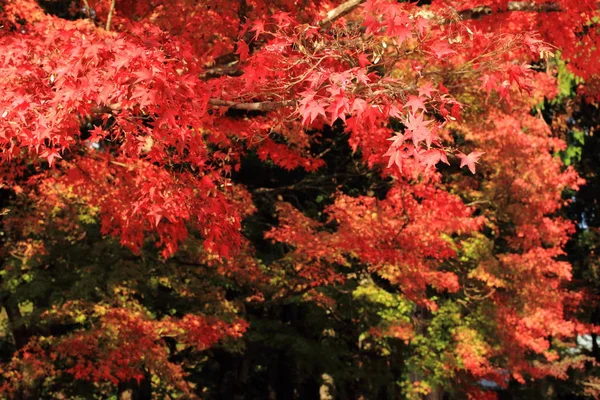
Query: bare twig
point(120, 164)
point(222, 70)
point(592, 385)
point(110, 14)
point(242, 11)
point(478, 202)
point(471, 13)
point(340, 11)
point(528, 6)
point(258, 106)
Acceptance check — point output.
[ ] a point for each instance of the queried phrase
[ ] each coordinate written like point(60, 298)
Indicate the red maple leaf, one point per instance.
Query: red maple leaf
point(50, 155)
point(399, 29)
point(441, 49)
point(258, 27)
point(418, 128)
point(397, 140)
point(397, 154)
point(310, 109)
point(283, 19)
point(358, 106)
point(426, 90)
point(363, 60)
point(469, 160)
point(242, 50)
point(415, 103)
point(338, 108)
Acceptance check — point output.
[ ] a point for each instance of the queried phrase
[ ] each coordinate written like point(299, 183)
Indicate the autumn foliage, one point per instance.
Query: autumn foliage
point(253, 199)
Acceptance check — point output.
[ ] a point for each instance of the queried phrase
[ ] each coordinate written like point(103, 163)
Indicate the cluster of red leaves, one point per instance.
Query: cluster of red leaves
point(525, 283)
point(404, 238)
point(117, 346)
point(159, 158)
point(60, 70)
point(146, 88)
point(566, 24)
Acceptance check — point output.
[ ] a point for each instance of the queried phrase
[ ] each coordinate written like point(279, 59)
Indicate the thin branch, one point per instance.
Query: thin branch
point(592, 385)
point(222, 70)
point(258, 106)
point(527, 6)
point(531, 6)
point(234, 105)
point(232, 69)
point(471, 13)
point(229, 68)
point(340, 11)
point(110, 14)
point(242, 13)
point(120, 164)
point(478, 202)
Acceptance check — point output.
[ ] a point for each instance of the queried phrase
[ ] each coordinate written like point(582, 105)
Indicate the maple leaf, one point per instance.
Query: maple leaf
point(338, 108)
point(371, 24)
point(415, 103)
point(316, 79)
point(441, 49)
point(536, 45)
point(363, 60)
point(51, 155)
point(283, 19)
point(310, 109)
point(489, 82)
point(362, 77)
point(156, 215)
point(399, 153)
point(519, 75)
point(399, 28)
point(143, 75)
point(469, 160)
point(421, 24)
point(432, 157)
point(395, 112)
point(426, 90)
point(96, 134)
point(258, 27)
point(242, 50)
point(397, 140)
point(121, 60)
point(358, 106)
point(418, 128)
point(244, 28)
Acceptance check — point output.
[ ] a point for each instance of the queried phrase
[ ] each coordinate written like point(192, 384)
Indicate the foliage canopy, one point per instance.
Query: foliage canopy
point(258, 199)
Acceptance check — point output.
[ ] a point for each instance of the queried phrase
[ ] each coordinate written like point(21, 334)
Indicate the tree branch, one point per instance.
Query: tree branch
point(16, 323)
point(345, 8)
point(592, 385)
point(258, 106)
point(225, 70)
point(340, 11)
point(230, 67)
point(528, 6)
point(110, 14)
point(471, 13)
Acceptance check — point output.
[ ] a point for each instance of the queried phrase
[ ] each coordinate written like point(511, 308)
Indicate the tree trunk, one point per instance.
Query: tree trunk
point(284, 385)
point(134, 390)
point(17, 326)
